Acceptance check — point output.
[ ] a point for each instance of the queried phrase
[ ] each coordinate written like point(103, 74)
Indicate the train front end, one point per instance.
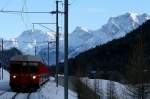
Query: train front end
point(24, 75)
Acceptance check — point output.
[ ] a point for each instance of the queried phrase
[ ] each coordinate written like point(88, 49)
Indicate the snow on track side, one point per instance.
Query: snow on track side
point(35, 95)
point(28, 97)
point(14, 97)
point(50, 91)
point(7, 95)
point(23, 96)
point(47, 91)
point(2, 93)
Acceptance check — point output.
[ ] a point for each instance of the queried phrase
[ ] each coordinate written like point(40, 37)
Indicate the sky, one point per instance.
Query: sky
point(91, 14)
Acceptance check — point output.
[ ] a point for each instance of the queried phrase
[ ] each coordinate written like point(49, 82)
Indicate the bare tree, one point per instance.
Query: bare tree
point(111, 90)
point(137, 71)
point(83, 91)
point(98, 89)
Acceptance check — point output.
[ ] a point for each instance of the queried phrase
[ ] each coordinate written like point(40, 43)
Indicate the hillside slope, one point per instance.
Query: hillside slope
point(113, 56)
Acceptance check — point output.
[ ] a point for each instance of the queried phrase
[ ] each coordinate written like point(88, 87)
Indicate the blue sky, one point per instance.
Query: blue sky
point(91, 14)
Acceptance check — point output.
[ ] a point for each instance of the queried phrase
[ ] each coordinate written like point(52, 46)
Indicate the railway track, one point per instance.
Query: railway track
point(2, 93)
point(28, 97)
point(15, 96)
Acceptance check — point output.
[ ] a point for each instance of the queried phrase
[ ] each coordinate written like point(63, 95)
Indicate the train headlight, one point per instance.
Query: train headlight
point(33, 77)
point(14, 76)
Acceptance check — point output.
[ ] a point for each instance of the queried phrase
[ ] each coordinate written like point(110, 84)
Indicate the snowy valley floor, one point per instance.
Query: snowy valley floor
point(47, 91)
point(50, 91)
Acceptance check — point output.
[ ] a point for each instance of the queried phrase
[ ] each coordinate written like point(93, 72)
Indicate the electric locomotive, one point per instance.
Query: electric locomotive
point(27, 73)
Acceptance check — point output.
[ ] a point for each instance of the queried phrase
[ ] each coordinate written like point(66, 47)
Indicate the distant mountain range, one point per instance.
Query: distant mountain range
point(80, 39)
point(130, 53)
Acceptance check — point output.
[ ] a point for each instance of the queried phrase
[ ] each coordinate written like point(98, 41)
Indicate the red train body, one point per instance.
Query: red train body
point(27, 73)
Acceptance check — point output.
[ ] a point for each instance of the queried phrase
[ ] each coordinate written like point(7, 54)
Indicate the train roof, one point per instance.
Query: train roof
point(26, 58)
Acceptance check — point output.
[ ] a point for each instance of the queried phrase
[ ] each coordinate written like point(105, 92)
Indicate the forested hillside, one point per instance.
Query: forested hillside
point(113, 56)
point(7, 54)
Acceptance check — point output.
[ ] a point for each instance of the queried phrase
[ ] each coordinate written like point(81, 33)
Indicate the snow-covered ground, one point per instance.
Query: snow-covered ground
point(47, 91)
point(50, 91)
point(102, 85)
point(6, 75)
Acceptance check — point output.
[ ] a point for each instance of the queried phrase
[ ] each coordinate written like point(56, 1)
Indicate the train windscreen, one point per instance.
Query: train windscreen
point(30, 67)
point(24, 67)
point(15, 67)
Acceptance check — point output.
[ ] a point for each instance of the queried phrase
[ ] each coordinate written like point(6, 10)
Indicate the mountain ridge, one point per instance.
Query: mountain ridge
point(82, 39)
point(118, 55)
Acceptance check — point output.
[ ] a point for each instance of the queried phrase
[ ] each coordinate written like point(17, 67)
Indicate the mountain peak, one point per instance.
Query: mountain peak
point(132, 13)
point(118, 26)
point(80, 29)
point(132, 16)
point(33, 36)
point(137, 17)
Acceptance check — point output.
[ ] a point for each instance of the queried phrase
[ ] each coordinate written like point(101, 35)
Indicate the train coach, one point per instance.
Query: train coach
point(27, 73)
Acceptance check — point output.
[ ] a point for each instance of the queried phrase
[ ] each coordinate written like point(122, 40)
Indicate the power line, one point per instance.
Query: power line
point(31, 12)
point(46, 27)
point(24, 5)
point(22, 17)
point(48, 48)
point(23, 20)
point(40, 42)
point(6, 4)
point(41, 24)
point(61, 18)
point(72, 2)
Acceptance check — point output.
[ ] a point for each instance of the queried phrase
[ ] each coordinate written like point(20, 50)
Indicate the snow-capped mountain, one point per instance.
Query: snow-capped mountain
point(80, 39)
point(29, 39)
point(115, 28)
point(119, 26)
point(79, 36)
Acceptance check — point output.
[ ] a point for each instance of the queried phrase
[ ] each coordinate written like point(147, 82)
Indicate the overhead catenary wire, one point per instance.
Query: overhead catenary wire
point(72, 2)
point(41, 24)
point(61, 19)
point(47, 28)
point(27, 12)
point(6, 4)
point(40, 42)
point(24, 5)
point(22, 17)
point(30, 12)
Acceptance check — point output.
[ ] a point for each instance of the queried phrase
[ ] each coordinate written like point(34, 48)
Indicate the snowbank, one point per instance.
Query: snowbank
point(6, 75)
point(100, 84)
point(50, 91)
point(47, 91)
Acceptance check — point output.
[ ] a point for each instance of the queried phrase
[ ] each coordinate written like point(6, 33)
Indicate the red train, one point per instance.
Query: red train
point(27, 73)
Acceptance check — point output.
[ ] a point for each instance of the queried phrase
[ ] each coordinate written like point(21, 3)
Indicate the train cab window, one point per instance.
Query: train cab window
point(33, 67)
point(30, 67)
point(24, 64)
point(24, 67)
point(15, 67)
point(33, 64)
